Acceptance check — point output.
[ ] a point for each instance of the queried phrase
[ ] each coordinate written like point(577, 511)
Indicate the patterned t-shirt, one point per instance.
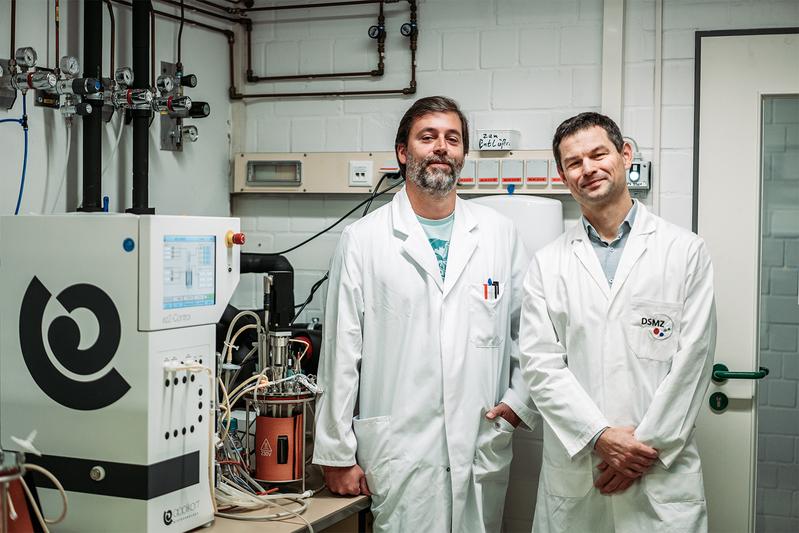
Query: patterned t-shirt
point(439, 233)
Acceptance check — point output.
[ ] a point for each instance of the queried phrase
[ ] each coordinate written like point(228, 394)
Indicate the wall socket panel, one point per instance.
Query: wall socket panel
point(361, 174)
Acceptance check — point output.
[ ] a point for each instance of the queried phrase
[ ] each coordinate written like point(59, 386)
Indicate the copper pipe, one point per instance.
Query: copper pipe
point(202, 11)
point(248, 28)
point(113, 37)
point(311, 76)
point(217, 6)
point(376, 73)
point(177, 18)
point(309, 6)
point(411, 89)
point(180, 38)
point(381, 41)
point(239, 96)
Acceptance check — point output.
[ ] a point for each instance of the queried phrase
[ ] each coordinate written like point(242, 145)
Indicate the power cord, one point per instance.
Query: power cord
point(368, 203)
point(348, 213)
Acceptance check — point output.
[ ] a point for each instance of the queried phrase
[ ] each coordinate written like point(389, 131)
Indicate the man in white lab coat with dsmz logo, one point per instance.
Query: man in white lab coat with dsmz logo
point(421, 330)
point(617, 337)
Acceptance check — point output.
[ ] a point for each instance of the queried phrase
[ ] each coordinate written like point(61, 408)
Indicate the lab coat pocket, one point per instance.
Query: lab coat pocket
point(652, 329)
point(491, 469)
point(675, 487)
point(494, 452)
point(374, 436)
point(565, 483)
point(484, 304)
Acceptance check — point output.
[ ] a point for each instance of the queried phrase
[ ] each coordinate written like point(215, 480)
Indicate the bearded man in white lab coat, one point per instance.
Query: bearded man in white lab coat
point(617, 337)
point(421, 332)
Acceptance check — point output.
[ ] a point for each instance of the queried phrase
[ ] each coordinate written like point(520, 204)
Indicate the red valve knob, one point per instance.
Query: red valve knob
point(238, 238)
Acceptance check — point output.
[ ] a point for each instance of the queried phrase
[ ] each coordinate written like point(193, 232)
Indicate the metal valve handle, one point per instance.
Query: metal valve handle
point(721, 373)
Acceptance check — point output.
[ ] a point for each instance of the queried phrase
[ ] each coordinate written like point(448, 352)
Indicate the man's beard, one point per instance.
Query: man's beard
point(435, 181)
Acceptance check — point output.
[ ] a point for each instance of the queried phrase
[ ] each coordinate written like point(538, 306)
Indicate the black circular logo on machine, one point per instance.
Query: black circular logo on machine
point(167, 517)
point(63, 336)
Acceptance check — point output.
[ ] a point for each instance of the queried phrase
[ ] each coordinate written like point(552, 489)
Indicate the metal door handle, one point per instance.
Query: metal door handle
point(721, 373)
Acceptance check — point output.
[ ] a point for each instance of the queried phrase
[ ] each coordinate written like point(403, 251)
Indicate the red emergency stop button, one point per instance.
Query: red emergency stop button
point(234, 238)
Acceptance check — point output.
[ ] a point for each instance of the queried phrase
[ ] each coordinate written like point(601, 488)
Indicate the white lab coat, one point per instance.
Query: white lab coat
point(424, 359)
point(593, 358)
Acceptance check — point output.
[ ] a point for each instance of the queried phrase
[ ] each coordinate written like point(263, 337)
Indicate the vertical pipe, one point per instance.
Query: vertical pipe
point(141, 117)
point(57, 33)
point(113, 42)
point(92, 123)
point(13, 28)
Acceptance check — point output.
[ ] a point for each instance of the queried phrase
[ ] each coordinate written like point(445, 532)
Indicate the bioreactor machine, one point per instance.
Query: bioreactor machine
point(107, 352)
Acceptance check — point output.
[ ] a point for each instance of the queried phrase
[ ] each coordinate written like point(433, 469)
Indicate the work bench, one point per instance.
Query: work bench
point(326, 512)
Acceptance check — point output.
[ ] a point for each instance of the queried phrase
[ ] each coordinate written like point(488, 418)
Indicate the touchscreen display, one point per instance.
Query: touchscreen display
point(189, 271)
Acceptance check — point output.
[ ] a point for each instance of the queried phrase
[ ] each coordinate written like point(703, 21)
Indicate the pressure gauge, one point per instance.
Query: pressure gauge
point(375, 31)
point(123, 76)
point(408, 29)
point(69, 65)
point(26, 57)
point(165, 84)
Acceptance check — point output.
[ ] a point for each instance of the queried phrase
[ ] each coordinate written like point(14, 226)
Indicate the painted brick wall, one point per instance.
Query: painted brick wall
point(778, 433)
point(520, 64)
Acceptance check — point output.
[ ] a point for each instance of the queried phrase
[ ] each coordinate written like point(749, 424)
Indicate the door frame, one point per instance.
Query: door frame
point(699, 35)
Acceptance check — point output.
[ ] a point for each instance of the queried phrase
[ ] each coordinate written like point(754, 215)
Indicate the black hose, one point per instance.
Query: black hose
point(180, 37)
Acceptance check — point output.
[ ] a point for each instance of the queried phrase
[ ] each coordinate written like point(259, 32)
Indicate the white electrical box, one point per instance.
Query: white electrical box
point(554, 177)
point(361, 174)
point(512, 171)
point(488, 172)
point(638, 176)
point(467, 177)
point(536, 172)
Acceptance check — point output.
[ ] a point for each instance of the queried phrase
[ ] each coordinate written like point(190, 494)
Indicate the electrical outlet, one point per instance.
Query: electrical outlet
point(361, 174)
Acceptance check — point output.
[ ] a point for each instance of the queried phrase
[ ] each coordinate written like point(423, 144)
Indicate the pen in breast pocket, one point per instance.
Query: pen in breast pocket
point(496, 289)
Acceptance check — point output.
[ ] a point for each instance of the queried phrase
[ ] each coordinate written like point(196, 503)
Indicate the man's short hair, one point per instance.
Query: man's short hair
point(425, 106)
point(583, 121)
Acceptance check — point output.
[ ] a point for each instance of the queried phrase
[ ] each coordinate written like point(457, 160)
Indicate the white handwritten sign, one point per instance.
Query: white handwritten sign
point(497, 139)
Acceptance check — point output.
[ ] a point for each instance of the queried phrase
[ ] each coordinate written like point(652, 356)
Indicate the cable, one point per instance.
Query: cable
point(46, 473)
point(116, 145)
point(379, 183)
point(304, 351)
point(227, 342)
point(339, 221)
point(66, 165)
point(180, 35)
point(308, 300)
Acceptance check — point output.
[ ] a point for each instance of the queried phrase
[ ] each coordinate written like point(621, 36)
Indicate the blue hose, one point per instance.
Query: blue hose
point(24, 168)
point(24, 123)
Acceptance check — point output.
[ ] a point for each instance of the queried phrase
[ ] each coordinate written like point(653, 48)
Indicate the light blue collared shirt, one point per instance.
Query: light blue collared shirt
point(609, 253)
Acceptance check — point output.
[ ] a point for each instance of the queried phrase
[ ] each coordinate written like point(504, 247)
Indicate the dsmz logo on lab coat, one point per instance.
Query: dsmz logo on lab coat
point(660, 326)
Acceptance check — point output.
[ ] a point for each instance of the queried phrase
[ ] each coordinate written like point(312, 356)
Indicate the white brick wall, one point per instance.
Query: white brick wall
point(520, 64)
point(778, 465)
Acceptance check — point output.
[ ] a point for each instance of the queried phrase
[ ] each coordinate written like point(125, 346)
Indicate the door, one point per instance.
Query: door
point(739, 76)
